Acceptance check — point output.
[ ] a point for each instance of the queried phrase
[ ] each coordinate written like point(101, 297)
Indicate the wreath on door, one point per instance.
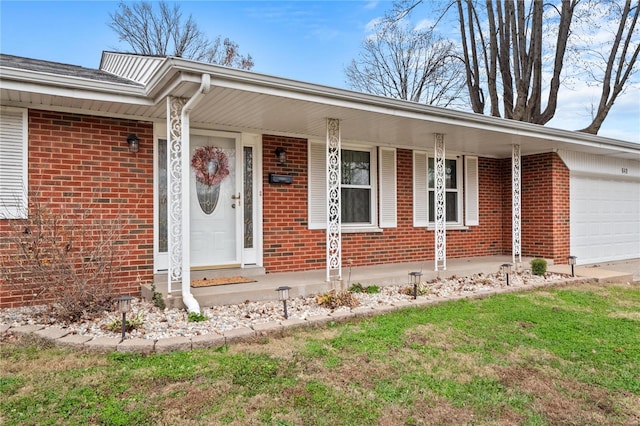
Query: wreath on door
point(211, 166)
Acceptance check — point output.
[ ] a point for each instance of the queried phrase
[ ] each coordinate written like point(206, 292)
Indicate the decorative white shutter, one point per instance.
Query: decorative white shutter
point(471, 193)
point(317, 190)
point(388, 189)
point(13, 163)
point(420, 189)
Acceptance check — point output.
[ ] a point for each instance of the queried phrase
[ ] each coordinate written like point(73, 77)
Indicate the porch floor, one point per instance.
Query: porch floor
point(308, 283)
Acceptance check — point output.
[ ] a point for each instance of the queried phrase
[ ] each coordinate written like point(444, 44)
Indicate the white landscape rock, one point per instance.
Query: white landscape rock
point(171, 323)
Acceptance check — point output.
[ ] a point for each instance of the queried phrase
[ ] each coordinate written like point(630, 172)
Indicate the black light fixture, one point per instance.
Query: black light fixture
point(133, 142)
point(281, 154)
point(506, 269)
point(414, 277)
point(124, 306)
point(572, 262)
point(283, 294)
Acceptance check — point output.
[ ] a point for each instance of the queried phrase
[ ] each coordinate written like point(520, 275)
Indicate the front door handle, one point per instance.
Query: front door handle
point(235, 197)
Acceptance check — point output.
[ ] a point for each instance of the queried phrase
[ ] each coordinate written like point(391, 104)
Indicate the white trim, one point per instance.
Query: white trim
point(255, 142)
point(421, 207)
point(14, 165)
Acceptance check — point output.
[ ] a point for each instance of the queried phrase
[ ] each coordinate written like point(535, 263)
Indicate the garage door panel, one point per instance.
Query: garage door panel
point(605, 218)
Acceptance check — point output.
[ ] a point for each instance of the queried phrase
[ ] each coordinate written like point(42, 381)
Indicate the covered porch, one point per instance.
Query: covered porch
point(308, 283)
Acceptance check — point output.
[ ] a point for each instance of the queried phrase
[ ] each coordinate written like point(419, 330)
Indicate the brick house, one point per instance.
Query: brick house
point(317, 176)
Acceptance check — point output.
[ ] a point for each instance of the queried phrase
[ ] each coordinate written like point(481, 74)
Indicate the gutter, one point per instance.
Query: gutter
point(187, 298)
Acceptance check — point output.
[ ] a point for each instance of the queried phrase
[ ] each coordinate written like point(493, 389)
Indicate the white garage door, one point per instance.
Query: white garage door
point(605, 218)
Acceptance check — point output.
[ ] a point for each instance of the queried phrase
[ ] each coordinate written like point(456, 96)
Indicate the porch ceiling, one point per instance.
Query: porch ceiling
point(241, 101)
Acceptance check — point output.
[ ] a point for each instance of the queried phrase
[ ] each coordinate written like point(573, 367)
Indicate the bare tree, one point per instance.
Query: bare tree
point(408, 64)
point(623, 56)
point(162, 31)
point(515, 51)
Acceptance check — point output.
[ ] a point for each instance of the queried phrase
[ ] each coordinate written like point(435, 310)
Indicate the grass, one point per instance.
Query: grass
point(562, 356)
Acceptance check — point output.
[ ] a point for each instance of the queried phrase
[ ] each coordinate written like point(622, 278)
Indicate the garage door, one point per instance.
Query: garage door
point(605, 218)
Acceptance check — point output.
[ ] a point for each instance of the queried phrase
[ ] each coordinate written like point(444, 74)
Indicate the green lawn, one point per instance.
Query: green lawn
point(560, 356)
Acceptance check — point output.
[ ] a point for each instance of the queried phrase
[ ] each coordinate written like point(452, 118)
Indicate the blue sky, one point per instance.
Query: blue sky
point(303, 40)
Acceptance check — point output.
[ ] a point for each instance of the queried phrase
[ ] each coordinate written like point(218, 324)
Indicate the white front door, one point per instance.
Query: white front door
point(215, 208)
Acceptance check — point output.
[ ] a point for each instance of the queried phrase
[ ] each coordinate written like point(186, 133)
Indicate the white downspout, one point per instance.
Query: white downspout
point(187, 298)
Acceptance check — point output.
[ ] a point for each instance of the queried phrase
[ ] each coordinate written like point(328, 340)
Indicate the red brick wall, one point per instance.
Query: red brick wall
point(545, 210)
point(79, 162)
point(290, 246)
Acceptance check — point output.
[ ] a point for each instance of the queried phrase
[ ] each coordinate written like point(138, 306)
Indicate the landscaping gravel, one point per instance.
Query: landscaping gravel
point(158, 324)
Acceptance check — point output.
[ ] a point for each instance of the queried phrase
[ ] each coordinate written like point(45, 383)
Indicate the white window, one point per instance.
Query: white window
point(455, 175)
point(13, 163)
point(359, 187)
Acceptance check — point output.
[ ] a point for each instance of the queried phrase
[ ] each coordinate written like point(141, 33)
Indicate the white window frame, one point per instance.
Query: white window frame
point(372, 187)
point(317, 188)
point(14, 163)
point(467, 179)
point(459, 190)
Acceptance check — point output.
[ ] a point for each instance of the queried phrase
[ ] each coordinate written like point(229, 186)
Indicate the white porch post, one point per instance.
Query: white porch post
point(441, 204)
point(174, 188)
point(515, 204)
point(334, 233)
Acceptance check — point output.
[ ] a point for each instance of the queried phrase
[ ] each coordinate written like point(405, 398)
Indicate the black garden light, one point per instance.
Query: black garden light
point(506, 269)
point(124, 306)
point(283, 294)
point(414, 278)
point(572, 262)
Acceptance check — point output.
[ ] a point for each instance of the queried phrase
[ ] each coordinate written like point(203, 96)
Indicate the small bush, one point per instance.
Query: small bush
point(359, 288)
point(130, 325)
point(333, 300)
point(538, 266)
point(67, 258)
point(196, 317)
point(157, 299)
point(356, 288)
point(421, 290)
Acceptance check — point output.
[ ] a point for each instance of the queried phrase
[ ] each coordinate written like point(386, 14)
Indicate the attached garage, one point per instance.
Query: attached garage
point(604, 206)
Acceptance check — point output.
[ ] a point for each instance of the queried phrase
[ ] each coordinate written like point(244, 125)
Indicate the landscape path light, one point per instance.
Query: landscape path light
point(414, 278)
point(124, 306)
point(283, 294)
point(572, 262)
point(506, 269)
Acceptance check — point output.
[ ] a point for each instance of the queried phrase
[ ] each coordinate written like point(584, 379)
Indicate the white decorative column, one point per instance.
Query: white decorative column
point(334, 233)
point(174, 188)
point(441, 204)
point(515, 204)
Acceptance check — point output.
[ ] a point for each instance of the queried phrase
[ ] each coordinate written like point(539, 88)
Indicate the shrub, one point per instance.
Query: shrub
point(64, 258)
point(130, 324)
point(157, 299)
point(333, 300)
point(359, 288)
point(538, 266)
point(196, 317)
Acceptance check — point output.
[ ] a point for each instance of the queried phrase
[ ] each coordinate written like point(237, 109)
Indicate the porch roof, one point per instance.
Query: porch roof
point(135, 86)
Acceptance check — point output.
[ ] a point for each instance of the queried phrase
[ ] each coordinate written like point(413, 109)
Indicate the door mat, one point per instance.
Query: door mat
point(207, 282)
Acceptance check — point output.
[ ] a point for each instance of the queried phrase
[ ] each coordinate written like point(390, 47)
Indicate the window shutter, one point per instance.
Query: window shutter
point(13, 163)
point(317, 191)
point(388, 189)
point(471, 193)
point(420, 190)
